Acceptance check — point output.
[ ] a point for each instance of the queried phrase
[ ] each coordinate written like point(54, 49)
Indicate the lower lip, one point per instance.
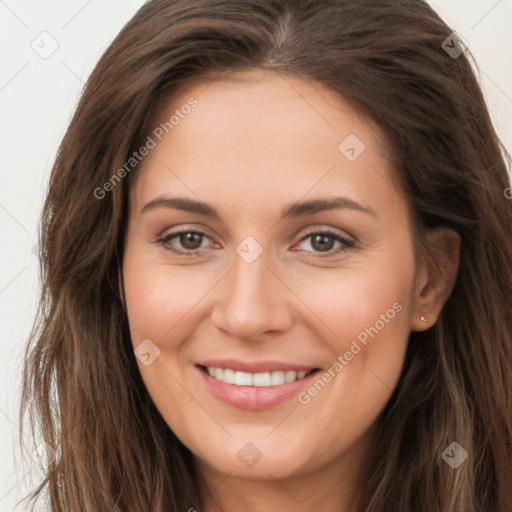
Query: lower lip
point(255, 398)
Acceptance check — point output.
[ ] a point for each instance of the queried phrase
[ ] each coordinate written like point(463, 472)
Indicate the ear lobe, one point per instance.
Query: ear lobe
point(440, 267)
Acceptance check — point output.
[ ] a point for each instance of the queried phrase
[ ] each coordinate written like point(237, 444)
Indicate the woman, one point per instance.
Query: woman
point(276, 264)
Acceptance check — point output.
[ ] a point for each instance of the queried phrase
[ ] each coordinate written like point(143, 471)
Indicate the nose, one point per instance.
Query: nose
point(252, 301)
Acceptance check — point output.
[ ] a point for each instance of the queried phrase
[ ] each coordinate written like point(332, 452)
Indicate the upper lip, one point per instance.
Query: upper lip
point(255, 366)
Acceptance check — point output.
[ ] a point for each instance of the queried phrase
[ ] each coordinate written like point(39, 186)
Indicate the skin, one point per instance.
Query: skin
point(250, 148)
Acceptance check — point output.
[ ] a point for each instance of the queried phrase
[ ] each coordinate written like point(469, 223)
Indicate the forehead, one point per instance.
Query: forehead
point(263, 136)
point(262, 103)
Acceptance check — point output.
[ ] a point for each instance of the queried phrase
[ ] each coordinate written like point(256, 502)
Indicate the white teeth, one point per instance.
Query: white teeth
point(290, 376)
point(277, 378)
point(229, 376)
point(263, 379)
point(243, 379)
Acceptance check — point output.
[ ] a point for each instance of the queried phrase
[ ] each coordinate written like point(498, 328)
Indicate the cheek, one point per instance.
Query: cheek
point(371, 310)
point(365, 312)
point(369, 303)
point(160, 301)
point(159, 298)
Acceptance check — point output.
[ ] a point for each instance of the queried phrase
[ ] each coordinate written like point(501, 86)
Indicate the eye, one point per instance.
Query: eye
point(190, 241)
point(323, 242)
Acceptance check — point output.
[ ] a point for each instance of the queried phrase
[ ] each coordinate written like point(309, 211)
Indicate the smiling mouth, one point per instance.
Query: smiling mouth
point(263, 379)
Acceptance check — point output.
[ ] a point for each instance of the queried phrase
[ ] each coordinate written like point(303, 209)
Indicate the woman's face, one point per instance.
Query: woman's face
point(296, 279)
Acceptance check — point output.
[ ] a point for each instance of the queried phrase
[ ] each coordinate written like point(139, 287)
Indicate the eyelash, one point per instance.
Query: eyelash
point(348, 244)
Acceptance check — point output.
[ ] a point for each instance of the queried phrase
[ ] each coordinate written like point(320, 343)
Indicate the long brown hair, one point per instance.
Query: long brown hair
point(81, 384)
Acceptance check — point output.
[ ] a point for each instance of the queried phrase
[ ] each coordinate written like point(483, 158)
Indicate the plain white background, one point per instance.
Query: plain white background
point(37, 98)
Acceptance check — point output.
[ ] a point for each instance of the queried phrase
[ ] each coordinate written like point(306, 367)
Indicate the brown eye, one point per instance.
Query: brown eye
point(323, 243)
point(190, 240)
point(187, 242)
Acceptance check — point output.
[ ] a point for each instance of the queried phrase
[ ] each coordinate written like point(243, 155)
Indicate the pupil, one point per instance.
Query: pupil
point(189, 240)
point(323, 245)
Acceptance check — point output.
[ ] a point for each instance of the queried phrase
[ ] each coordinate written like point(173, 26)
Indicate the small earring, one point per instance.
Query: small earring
point(422, 318)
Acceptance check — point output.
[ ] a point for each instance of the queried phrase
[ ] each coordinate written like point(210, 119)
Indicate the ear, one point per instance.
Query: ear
point(436, 277)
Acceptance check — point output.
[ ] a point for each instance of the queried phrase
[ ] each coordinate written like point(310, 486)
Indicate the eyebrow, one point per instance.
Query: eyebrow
point(294, 210)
